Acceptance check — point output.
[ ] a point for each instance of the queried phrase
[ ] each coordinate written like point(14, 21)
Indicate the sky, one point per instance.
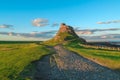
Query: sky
point(37, 20)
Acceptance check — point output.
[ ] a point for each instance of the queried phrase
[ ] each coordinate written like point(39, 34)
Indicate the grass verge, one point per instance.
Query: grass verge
point(106, 58)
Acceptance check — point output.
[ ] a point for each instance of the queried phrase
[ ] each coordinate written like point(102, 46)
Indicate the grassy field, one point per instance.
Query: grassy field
point(110, 59)
point(15, 57)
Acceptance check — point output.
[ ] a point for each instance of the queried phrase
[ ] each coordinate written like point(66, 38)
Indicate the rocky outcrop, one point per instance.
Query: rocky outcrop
point(65, 28)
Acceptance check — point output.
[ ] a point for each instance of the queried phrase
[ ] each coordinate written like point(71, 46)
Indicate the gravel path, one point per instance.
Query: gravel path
point(67, 65)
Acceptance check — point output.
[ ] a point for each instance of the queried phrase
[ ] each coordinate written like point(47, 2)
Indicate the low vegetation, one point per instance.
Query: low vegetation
point(101, 47)
point(106, 58)
point(15, 57)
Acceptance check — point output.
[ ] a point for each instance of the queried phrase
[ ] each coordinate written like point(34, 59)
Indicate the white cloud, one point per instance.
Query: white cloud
point(84, 32)
point(109, 22)
point(34, 33)
point(103, 37)
point(10, 34)
point(39, 22)
point(6, 26)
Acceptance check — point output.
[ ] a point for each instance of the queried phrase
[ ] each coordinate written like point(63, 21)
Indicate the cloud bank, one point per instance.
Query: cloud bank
point(107, 37)
point(92, 31)
point(50, 34)
point(35, 34)
point(85, 33)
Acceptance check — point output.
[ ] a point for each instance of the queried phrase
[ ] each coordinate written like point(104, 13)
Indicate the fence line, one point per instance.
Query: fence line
point(100, 47)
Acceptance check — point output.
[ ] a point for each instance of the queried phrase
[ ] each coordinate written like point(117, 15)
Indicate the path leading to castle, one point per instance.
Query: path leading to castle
point(67, 65)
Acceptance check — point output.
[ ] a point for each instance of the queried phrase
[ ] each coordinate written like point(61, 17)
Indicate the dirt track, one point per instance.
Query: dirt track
point(67, 65)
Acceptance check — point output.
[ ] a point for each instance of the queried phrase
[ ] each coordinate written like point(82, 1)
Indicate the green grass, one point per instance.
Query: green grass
point(18, 42)
point(15, 57)
point(110, 59)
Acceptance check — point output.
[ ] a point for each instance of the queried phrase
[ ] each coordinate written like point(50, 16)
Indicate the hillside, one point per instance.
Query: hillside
point(64, 35)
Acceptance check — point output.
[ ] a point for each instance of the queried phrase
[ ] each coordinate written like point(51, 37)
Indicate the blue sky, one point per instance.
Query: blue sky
point(40, 19)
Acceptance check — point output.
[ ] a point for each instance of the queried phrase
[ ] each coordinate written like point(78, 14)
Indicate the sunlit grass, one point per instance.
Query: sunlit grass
point(15, 57)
